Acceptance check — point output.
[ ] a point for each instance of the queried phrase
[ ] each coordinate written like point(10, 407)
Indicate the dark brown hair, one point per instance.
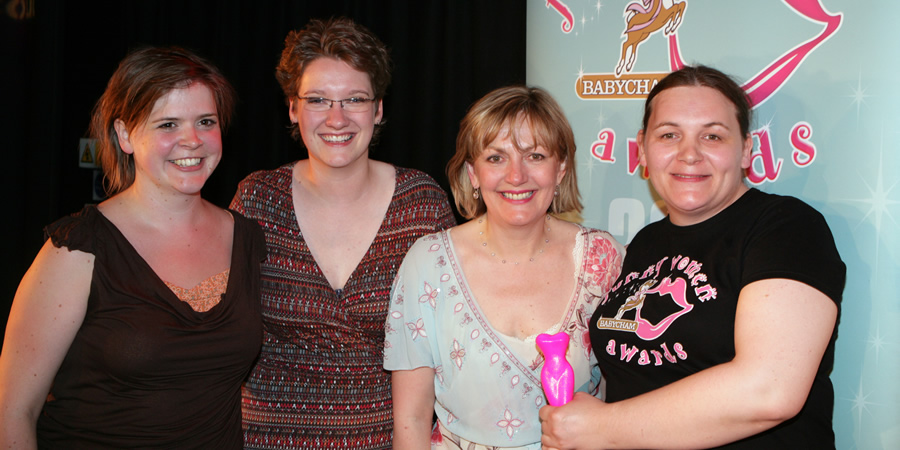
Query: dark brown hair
point(709, 77)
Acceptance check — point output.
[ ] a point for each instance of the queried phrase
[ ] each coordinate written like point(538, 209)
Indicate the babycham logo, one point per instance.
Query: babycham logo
point(642, 19)
point(647, 17)
point(609, 87)
point(666, 291)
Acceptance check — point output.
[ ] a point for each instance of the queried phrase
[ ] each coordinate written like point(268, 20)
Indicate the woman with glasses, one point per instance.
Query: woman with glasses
point(469, 302)
point(337, 227)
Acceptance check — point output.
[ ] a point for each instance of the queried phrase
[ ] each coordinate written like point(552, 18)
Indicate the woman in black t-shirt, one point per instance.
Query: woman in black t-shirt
point(720, 328)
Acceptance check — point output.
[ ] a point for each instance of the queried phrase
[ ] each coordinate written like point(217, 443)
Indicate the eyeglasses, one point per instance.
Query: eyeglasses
point(352, 104)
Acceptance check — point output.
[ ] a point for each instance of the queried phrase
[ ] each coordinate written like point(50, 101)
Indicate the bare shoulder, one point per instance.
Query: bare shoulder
point(48, 309)
point(563, 230)
point(114, 209)
point(218, 216)
point(53, 295)
point(59, 278)
point(385, 174)
point(61, 264)
point(466, 238)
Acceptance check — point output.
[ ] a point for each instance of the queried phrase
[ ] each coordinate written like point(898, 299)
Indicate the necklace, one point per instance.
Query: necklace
point(516, 263)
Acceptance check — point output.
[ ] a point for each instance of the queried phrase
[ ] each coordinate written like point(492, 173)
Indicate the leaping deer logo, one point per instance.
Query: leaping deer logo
point(644, 18)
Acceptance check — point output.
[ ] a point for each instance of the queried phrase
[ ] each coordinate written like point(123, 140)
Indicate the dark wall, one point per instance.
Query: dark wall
point(57, 57)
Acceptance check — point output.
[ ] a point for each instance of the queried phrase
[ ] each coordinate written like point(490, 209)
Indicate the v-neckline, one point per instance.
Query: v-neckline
point(160, 283)
point(338, 292)
point(494, 334)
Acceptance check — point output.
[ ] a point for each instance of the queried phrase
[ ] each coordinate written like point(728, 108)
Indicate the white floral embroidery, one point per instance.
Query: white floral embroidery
point(418, 329)
point(458, 353)
point(510, 423)
point(429, 295)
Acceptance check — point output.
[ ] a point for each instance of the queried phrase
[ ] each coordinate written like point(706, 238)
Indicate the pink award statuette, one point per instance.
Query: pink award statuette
point(557, 376)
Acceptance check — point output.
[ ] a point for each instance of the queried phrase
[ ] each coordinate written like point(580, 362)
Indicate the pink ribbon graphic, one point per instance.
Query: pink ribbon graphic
point(772, 78)
point(568, 23)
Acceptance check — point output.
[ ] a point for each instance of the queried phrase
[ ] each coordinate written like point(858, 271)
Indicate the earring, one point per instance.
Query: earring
point(475, 194)
point(556, 191)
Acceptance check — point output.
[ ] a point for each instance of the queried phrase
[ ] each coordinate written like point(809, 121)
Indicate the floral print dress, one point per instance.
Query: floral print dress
point(487, 385)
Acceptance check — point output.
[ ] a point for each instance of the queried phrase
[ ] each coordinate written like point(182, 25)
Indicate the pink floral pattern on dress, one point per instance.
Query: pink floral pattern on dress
point(509, 423)
point(436, 437)
point(457, 353)
point(463, 336)
point(429, 295)
point(578, 330)
point(417, 328)
point(603, 264)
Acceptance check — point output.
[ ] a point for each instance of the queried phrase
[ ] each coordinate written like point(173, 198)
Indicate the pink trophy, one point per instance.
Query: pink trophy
point(557, 376)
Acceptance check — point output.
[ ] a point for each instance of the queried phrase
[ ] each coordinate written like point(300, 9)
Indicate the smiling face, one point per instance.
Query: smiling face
point(517, 180)
point(695, 153)
point(179, 145)
point(336, 138)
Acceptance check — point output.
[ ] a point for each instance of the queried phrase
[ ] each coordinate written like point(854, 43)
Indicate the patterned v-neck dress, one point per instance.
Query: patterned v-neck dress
point(319, 381)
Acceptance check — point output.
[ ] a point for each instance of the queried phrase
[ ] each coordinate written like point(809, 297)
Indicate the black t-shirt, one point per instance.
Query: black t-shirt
point(671, 313)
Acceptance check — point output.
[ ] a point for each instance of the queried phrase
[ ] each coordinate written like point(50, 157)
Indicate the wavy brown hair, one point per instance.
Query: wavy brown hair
point(143, 77)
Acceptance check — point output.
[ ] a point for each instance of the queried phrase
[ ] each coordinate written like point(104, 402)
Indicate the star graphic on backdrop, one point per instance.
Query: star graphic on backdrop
point(762, 130)
point(580, 72)
point(583, 20)
point(877, 343)
point(859, 96)
point(586, 175)
point(601, 118)
point(588, 168)
point(878, 201)
point(598, 6)
point(860, 404)
point(767, 126)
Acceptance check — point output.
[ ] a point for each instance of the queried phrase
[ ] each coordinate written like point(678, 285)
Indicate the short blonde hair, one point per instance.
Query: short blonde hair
point(482, 124)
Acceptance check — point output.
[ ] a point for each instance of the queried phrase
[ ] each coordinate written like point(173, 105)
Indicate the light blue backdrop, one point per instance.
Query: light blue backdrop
point(826, 131)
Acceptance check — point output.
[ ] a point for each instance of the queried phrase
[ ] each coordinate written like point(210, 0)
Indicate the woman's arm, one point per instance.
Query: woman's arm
point(782, 329)
point(47, 311)
point(413, 397)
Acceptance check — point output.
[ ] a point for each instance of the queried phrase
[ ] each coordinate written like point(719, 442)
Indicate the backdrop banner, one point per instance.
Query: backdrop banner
point(821, 75)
